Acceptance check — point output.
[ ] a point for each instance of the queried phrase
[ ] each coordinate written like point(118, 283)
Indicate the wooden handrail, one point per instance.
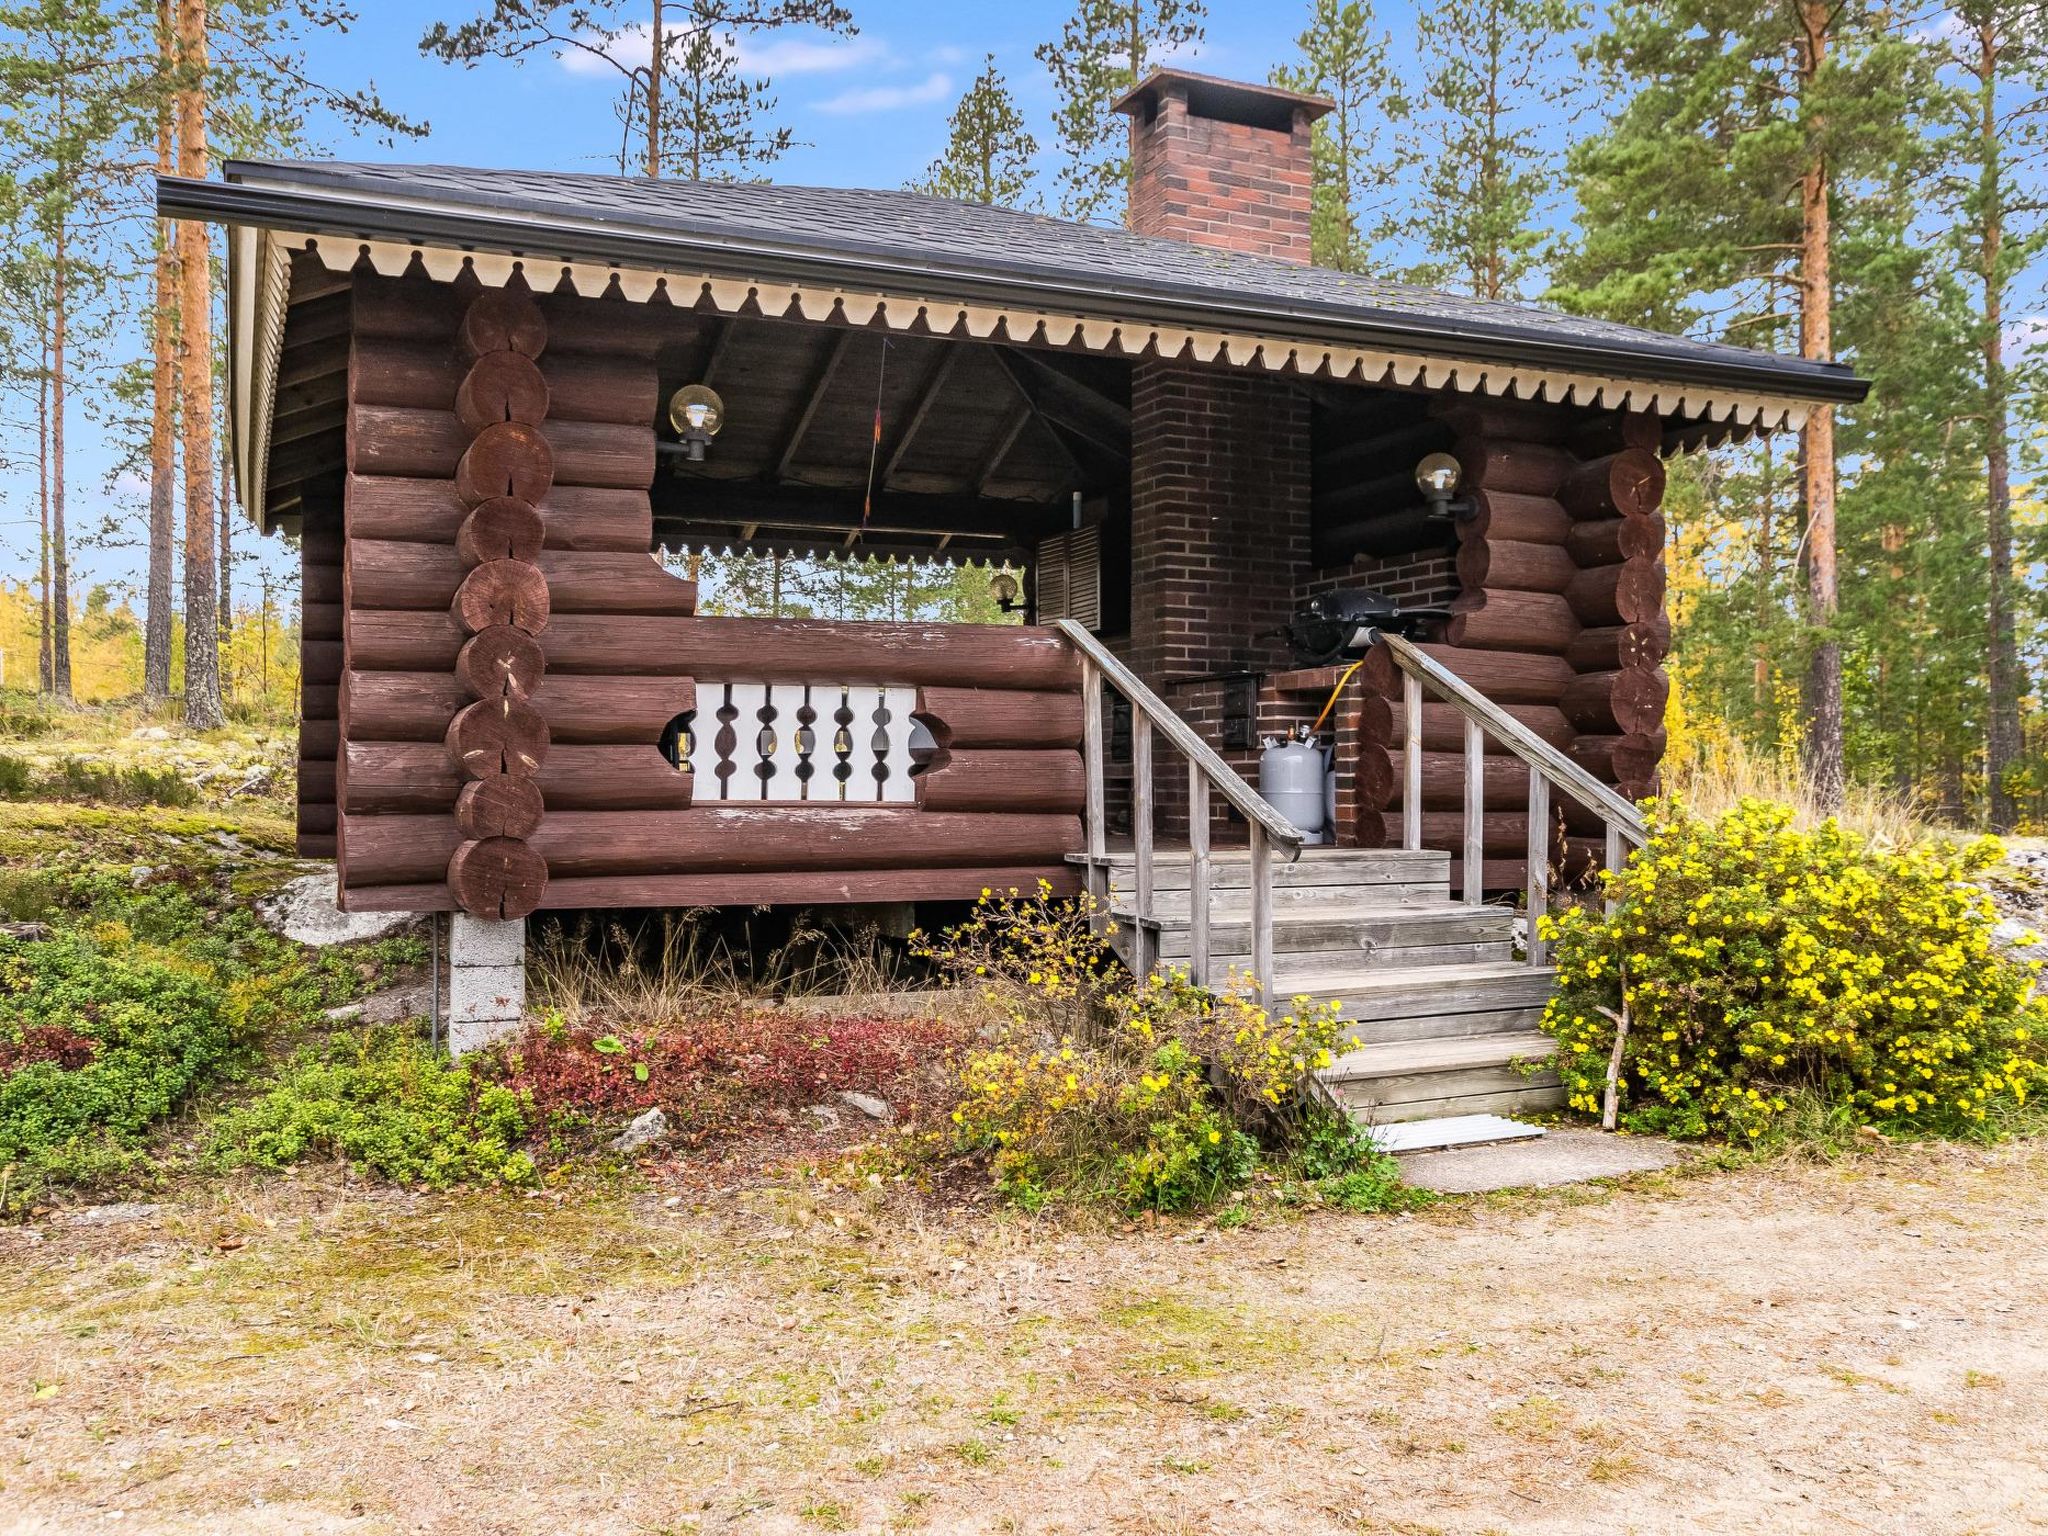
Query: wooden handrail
point(1270, 831)
point(1548, 768)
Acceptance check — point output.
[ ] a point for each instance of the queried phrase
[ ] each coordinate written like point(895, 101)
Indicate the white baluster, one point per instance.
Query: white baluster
point(704, 757)
point(746, 782)
point(899, 788)
point(861, 755)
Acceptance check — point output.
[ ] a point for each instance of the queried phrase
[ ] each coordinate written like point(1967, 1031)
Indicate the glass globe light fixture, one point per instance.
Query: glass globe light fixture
point(696, 412)
point(1003, 588)
point(1437, 477)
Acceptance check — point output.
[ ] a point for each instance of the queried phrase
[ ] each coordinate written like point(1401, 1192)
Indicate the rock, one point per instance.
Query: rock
point(869, 1105)
point(2019, 940)
point(1871, 1136)
point(645, 1130)
point(119, 1213)
point(304, 912)
point(346, 1013)
point(33, 932)
point(826, 1116)
point(152, 733)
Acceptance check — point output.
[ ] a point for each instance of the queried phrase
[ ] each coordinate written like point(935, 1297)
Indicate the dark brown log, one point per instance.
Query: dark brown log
point(500, 877)
point(1505, 833)
point(1510, 565)
point(759, 650)
point(501, 386)
point(1443, 782)
point(510, 459)
point(1000, 717)
point(509, 592)
point(999, 780)
point(1504, 515)
point(316, 816)
point(1506, 677)
point(499, 807)
point(824, 887)
point(1626, 484)
point(314, 845)
point(400, 777)
point(320, 542)
point(1526, 469)
point(319, 738)
point(1615, 431)
point(320, 621)
point(418, 309)
point(498, 736)
point(1628, 593)
point(1616, 703)
point(500, 662)
point(724, 838)
point(502, 320)
point(1610, 540)
point(585, 711)
point(503, 528)
point(319, 701)
point(430, 512)
point(316, 780)
point(1443, 726)
point(319, 661)
point(1630, 759)
point(1611, 647)
point(428, 374)
point(320, 582)
point(1492, 620)
point(407, 308)
point(385, 573)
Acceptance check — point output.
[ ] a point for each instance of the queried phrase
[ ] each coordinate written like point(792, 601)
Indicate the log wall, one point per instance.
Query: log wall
point(506, 657)
point(1560, 616)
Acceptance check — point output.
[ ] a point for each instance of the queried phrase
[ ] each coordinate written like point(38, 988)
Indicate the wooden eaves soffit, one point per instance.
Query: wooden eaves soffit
point(261, 268)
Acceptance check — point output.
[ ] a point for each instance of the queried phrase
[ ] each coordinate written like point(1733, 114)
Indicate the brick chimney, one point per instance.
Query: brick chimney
point(1220, 163)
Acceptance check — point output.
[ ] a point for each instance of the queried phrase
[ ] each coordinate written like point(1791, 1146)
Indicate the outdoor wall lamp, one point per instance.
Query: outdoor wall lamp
point(1437, 477)
point(1004, 589)
point(696, 412)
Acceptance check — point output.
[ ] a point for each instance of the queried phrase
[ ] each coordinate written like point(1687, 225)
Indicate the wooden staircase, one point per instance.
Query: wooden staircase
point(1443, 1009)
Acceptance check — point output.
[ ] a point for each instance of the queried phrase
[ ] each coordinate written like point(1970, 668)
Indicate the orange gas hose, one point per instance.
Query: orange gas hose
point(1348, 671)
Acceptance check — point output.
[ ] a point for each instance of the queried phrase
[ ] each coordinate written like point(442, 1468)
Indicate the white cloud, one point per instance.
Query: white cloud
point(805, 52)
point(936, 86)
point(131, 483)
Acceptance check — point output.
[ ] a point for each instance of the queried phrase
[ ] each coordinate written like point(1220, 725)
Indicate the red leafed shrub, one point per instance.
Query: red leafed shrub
point(722, 1071)
point(46, 1042)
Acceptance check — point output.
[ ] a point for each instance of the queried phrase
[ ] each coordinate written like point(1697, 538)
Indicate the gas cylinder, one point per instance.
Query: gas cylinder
point(1291, 781)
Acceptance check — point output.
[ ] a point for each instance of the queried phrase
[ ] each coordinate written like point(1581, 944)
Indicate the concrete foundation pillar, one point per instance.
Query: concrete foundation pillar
point(486, 980)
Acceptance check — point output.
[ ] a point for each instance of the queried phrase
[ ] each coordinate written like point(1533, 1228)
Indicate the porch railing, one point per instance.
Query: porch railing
point(1270, 831)
point(1548, 769)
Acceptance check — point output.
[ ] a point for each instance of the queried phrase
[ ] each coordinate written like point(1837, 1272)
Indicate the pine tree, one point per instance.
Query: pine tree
point(2000, 50)
point(1342, 59)
point(1105, 48)
point(1711, 196)
point(163, 424)
point(1490, 93)
point(988, 151)
point(689, 109)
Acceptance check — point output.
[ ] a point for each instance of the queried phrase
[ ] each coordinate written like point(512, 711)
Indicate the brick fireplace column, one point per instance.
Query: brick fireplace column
point(1219, 455)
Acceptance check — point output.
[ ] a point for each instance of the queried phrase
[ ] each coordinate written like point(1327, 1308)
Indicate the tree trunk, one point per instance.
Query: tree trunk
point(163, 422)
point(654, 71)
point(195, 361)
point(60, 554)
point(2002, 736)
point(227, 581)
point(43, 654)
point(1825, 771)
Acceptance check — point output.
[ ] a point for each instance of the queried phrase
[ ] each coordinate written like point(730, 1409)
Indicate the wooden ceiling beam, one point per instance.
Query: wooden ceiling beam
point(1005, 441)
point(827, 366)
point(927, 396)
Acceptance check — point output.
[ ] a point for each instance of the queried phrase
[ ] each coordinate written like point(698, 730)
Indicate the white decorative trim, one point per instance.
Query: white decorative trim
point(906, 311)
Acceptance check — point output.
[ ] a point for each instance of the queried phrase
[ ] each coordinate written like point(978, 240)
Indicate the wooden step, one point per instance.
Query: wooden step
point(1490, 987)
point(1231, 868)
point(1439, 1053)
point(1339, 927)
point(1441, 1076)
point(1503, 1021)
point(1237, 900)
point(1443, 1134)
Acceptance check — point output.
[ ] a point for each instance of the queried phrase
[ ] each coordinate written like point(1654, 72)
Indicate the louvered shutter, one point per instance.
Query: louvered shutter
point(1070, 578)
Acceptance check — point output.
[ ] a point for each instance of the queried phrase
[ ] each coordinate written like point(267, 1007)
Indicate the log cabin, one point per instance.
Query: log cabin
point(481, 400)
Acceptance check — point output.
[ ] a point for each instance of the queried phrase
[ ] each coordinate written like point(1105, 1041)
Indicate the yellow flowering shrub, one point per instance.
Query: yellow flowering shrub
point(1092, 1084)
point(1755, 962)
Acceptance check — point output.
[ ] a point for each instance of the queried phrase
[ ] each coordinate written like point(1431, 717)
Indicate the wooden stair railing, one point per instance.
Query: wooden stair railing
point(1270, 831)
point(1548, 769)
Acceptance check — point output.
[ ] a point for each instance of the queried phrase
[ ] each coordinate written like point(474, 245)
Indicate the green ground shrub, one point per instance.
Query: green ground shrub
point(1761, 967)
point(384, 1103)
point(81, 779)
point(97, 1046)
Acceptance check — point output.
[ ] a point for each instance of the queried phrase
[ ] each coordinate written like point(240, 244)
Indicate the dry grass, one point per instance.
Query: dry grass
point(1848, 1347)
point(675, 965)
point(1721, 774)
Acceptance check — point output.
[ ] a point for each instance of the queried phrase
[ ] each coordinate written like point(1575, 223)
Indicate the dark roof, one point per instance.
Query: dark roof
point(961, 250)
